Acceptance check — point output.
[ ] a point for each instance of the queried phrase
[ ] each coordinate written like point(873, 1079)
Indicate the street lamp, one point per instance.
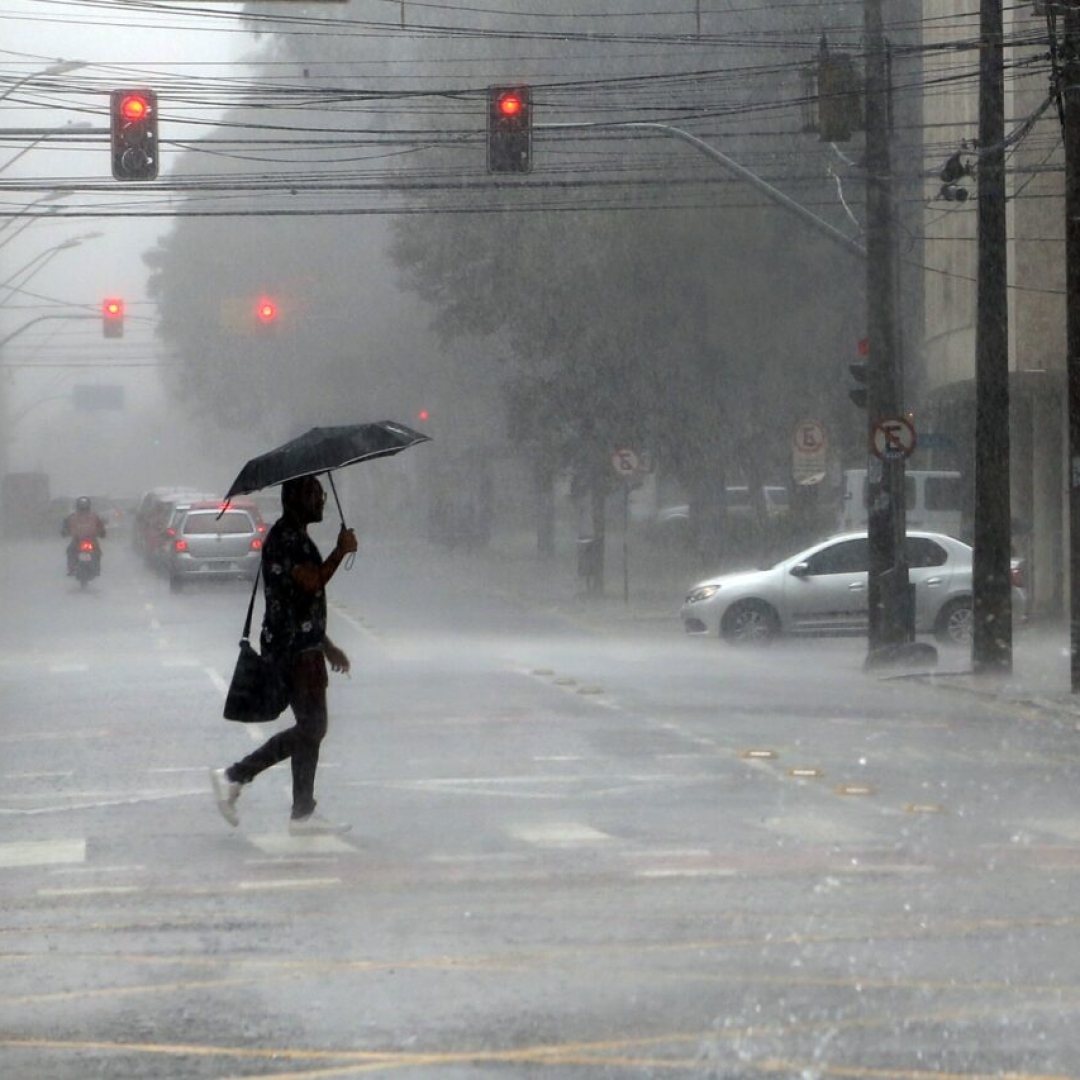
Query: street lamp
point(43, 257)
point(71, 125)
point(60, 67)
point(30, 221)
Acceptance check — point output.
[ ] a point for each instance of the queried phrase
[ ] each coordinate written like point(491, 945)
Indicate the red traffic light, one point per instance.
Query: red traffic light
point(423, 414)
point(134, 107)
point(112, 317)
point(509, 129)
point(510, 104)
point(266, 310)
point(133, 133)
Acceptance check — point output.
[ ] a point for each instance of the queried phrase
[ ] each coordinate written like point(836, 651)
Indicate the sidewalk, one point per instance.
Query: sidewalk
point(1040, 677)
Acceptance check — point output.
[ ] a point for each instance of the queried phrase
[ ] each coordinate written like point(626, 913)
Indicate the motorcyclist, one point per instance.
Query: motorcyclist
point(81, 524)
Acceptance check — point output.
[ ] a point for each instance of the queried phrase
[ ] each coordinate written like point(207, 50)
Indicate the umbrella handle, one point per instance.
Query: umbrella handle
point(351, 557)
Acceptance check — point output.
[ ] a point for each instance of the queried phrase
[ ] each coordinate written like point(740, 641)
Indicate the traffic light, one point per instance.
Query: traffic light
point(266, 315)
point(509, 129)
point(840, 97)
point(134, 134)
point(112, 317)
point(860, 372)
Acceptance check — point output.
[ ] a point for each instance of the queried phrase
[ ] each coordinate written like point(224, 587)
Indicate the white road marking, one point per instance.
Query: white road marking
point(689, 872)
point(39, 775)
point(68, 669)
point(124, 868)
point(1067, 828)
point(284, 844)
point(819, 829)
point(66, 808)
point(218, 683)
point(355, 623)
point(289, 883)
point(558, 834)
point(42, 852)
point(90, 890)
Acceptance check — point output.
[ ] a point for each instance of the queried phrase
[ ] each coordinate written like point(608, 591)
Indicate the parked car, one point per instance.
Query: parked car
point(823, 590)
point(777, 501)
point(933, 500)
point(210, 542)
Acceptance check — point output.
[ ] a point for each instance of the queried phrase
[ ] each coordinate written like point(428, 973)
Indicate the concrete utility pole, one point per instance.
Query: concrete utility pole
point(890, 609)
point(1071, 93)
point(991, 646)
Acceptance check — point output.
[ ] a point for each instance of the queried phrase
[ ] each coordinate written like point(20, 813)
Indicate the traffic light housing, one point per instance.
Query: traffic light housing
point(133, 115)
point(860, 373)
point(840, 94)
point(112, 317)
point(509, 129)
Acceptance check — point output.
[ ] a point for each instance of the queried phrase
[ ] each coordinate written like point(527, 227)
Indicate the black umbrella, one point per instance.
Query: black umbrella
point(322, 449)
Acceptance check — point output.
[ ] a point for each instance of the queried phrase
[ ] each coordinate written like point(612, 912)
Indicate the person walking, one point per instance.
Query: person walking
point(294, 633)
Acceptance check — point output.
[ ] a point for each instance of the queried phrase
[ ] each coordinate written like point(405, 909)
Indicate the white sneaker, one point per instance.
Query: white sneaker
point(226, 792)
point(316, 825)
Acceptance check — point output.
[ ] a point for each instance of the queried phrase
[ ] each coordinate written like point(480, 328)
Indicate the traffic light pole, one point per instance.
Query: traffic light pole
point(891, 608)
point(1071, 94)
point(991, 645)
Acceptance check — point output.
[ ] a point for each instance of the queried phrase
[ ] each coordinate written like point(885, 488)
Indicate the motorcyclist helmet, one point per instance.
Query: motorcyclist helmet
point(82, 503)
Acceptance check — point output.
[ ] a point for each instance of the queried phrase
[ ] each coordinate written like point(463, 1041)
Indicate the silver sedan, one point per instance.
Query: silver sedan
point(823, 590)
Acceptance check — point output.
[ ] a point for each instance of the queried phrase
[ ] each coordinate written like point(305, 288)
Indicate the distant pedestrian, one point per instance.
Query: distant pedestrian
point(294, 633)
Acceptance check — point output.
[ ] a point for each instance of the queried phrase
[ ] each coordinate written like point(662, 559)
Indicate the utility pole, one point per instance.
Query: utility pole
point(991, 646)
point(1071, 94)
point(891, 613)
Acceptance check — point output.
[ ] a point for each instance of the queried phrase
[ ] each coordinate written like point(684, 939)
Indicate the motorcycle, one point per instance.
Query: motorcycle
point(87, 561)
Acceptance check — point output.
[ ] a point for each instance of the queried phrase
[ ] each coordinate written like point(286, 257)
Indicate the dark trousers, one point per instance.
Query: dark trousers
point(300, 743)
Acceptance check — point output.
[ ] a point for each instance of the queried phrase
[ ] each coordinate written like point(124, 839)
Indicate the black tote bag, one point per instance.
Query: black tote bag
point(259, 690)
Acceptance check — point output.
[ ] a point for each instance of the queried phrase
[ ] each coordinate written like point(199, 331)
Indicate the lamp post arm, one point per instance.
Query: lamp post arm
point(35, 321)
point(733, 167)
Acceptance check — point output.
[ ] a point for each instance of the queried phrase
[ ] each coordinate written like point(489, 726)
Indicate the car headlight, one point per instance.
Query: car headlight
point(702, 592)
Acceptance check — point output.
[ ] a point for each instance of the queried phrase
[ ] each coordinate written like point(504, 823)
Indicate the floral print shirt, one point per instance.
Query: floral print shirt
point(294, 619)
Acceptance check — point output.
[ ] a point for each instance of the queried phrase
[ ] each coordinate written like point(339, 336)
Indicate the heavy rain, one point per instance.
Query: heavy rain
point(680, 520)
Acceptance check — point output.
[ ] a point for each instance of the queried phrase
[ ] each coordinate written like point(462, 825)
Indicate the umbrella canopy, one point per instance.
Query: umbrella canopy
point(322, 449)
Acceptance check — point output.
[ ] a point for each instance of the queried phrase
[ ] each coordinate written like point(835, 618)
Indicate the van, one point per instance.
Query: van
point(933, 500)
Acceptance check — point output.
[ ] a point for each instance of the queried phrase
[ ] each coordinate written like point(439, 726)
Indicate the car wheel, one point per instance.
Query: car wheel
point(750, 622)
point(955, 621)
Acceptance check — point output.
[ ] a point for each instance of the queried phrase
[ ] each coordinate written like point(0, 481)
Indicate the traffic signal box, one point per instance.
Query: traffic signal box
point(133, 116)
point(509, 129)
point(112, 317)
point(860, 372)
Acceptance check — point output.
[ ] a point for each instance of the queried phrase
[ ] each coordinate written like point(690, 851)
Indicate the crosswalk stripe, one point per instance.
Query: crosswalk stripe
point(558, 834)
point(42, 852)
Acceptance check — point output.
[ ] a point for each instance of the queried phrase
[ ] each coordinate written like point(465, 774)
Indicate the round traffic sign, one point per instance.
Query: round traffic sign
point(809, 438)
point(893, 438)
point(625, 462)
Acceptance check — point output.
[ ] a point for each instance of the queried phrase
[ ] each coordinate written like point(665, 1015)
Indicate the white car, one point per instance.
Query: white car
point(823, 590)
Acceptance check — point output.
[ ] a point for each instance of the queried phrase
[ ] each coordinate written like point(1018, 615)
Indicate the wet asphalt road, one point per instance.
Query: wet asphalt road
point(577, 850)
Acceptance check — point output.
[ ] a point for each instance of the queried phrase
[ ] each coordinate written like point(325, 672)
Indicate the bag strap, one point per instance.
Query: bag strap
point(251, 605)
